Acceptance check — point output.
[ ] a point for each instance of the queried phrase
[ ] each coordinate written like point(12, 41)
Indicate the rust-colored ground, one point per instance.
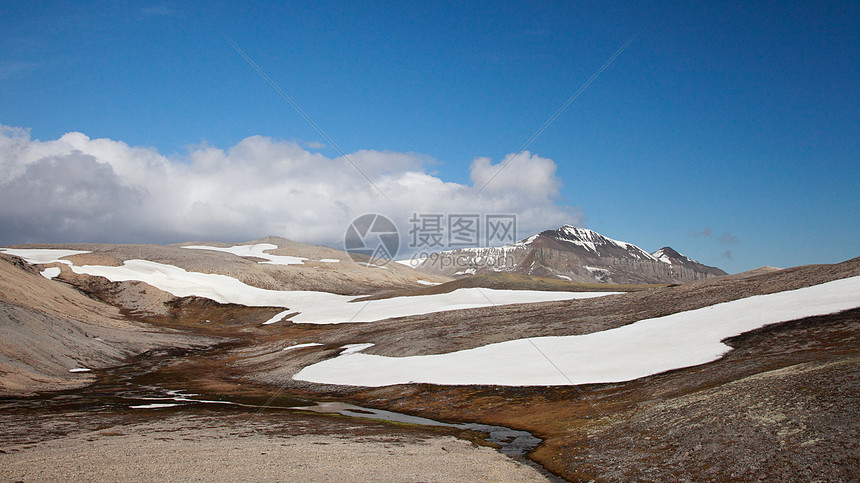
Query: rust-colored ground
point(781, 405)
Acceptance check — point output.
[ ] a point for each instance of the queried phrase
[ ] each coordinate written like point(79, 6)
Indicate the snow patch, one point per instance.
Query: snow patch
point(425, 282)
point(600, 274)
point(354, 348)
point(312, 307)
point(641, 349)
point(468, 271)
point(300, 346)
point(50, 273)
point(526, 241)
point(277, 318)
point(660, 255)
point(414, 261)
point(39, 256)
point(154, 406)
point(665, 258)
point(591, 240)
point(257, 250)
point(80, 369)
point(370, 265)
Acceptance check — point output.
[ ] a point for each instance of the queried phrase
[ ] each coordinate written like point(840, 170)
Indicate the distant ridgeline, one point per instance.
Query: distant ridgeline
point(575, 254)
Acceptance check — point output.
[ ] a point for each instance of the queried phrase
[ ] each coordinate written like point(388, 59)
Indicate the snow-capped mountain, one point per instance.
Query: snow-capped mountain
point(678, 261)
point(572, 253)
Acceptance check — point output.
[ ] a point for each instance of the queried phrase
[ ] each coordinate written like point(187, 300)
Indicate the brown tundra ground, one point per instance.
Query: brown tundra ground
point(781, 405)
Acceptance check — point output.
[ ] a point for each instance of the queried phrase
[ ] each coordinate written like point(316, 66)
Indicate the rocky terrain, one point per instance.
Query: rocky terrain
point(52, 334)
point(221, 446)
point(779, 405)
point(319, 268)
point(574, 254)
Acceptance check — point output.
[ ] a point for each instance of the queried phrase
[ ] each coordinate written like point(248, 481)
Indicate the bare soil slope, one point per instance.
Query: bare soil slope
point(781, 405)
point(49, 328)
point(342, 277)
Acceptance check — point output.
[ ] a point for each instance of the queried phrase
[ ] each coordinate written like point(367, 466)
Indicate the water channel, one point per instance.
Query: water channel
point(139, 386)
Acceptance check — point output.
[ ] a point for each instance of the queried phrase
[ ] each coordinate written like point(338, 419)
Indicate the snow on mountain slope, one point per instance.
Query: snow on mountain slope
point(36, 256)
point(571, 253)
point(312, 306)
point(679, 261)
point(273, 262)
point(257, 250)
point(595, 242)
point(661, 255)
point(625, 353)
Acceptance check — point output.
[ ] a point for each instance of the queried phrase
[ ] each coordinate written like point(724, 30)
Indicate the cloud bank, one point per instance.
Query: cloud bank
point(77, 189)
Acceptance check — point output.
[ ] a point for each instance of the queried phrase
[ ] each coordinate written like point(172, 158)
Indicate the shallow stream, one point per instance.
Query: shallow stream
point(139, 386)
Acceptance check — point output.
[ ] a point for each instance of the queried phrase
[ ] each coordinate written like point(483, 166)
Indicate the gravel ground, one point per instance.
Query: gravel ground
point(182, 448)
point(782, 405)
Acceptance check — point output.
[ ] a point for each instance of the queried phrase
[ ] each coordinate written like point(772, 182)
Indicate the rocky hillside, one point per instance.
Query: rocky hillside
point(681, 263)
point(571, 253)
point(53, 335)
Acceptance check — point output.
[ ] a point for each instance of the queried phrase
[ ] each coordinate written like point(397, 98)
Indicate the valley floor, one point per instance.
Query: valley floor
point(781, 405)
point(229, 446)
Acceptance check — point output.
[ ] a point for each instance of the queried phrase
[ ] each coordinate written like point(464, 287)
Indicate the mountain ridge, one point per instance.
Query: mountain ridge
point(575, 254)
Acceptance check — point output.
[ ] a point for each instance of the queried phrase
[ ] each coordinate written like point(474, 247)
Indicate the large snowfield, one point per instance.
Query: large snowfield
point(637, 350)
point(313, 307)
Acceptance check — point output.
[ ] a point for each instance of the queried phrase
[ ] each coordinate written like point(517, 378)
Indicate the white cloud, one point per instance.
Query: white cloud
point(517, 175)
point(315, 145)
point(81, 189)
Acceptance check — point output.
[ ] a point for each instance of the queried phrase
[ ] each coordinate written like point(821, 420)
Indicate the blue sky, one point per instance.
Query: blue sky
point(730, 132)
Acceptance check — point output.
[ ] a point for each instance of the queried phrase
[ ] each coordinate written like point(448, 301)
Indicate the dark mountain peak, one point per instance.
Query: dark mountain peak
point(670, 253)
point(574, 234)
point(571, 232)
point(672, 257)
point(575, 254)
point(589, 241)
